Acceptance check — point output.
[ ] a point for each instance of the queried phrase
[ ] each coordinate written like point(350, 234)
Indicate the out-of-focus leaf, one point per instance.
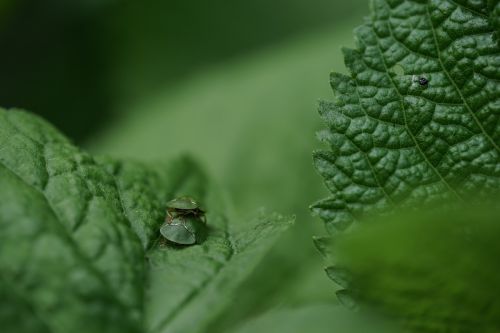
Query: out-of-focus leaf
point(434, 272)
point(78, 62)
point(317, 318)
point(243, 123)
point(79, 250)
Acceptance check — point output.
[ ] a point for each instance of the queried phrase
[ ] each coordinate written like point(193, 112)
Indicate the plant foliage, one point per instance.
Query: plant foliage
point(78, 240)
point(433, 272)
point(416, 121)
point(418, 118)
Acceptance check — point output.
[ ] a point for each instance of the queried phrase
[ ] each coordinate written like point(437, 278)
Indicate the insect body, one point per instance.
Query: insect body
point(184, 206)
point(185, 221)
point(423, 81)
point(182, 229)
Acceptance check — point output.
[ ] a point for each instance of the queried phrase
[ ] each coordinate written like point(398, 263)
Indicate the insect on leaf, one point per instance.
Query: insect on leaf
point(79, 248)
point(432, 131)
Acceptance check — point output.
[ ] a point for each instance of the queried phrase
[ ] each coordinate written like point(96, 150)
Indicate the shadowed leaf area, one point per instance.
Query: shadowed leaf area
point(433, 272)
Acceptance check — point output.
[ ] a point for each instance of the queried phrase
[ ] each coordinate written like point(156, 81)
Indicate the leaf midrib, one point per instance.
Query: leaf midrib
point(403, 108)
point(467, 106)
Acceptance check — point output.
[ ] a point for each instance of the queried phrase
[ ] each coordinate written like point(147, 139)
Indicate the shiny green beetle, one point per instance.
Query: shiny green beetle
point(185, 221)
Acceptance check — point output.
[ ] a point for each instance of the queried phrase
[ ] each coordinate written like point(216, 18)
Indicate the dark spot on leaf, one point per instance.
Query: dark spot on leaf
point(423, 81)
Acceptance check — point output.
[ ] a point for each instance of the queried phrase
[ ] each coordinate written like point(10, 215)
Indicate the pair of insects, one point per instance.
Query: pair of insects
point(185, 222)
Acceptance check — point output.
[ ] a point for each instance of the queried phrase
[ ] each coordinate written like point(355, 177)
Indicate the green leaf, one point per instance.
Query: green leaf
point(79, 249)
point(495, 16)
point(434, 272)
point(396, 140)
point(324, 245)
point(245, 152)
point(317, 318)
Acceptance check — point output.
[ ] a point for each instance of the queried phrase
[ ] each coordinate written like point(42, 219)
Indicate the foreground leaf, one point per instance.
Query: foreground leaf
point(317, 318)
point(78, 241)
point(433, 272)
point(418, 118)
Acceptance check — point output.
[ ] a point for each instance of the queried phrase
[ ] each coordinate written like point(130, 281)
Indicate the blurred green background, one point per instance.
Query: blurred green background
point(233, 83)
point(78, 62)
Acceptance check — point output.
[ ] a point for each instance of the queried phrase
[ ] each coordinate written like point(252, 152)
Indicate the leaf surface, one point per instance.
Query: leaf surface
point(317, 318)
point(434, 272)
point(417, 119)
point(79, 247)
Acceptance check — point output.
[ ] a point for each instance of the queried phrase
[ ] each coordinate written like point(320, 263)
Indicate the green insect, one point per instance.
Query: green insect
point(185, 223)
point(184, 206)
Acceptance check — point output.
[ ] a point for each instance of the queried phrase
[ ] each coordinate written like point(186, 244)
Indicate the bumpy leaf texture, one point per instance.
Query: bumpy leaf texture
point(79, 248)
point(419, 117)
point(495, 17)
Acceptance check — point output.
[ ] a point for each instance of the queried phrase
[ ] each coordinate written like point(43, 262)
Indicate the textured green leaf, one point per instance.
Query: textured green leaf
point(78, 240)
point(433, 272)
point(394, 141)
point(495, 17)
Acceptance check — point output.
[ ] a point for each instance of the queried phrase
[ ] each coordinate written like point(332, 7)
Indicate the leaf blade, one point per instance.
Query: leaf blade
point(79, 235)
point(432, 271)
point(394, 141)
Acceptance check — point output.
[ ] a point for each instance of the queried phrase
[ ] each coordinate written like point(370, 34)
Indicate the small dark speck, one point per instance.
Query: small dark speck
point(423, 81)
